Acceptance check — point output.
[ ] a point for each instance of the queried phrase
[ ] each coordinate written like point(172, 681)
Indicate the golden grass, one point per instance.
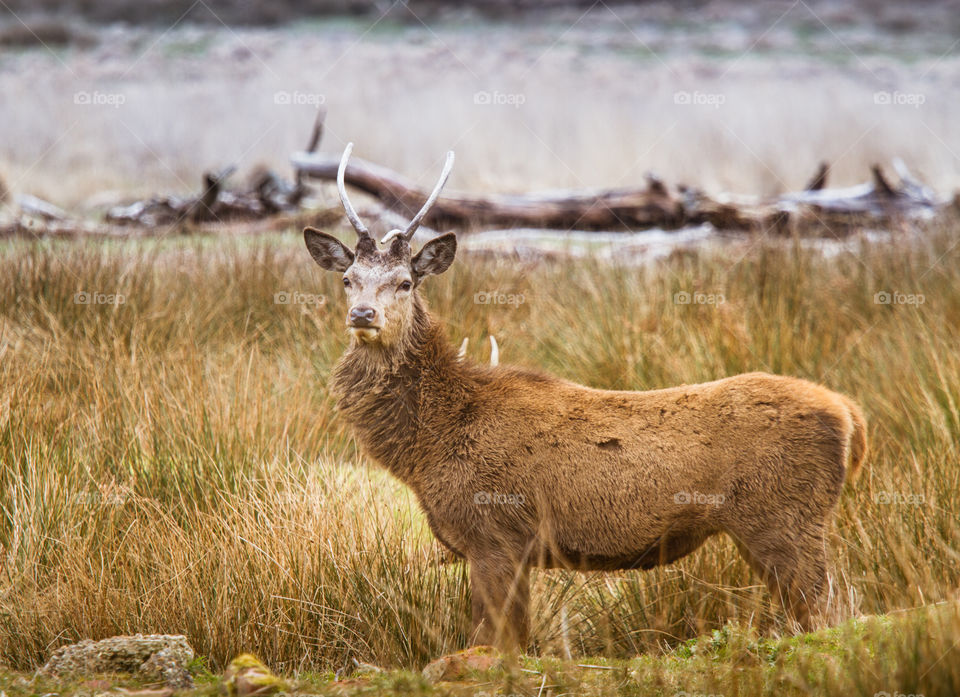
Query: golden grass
point(174, 464)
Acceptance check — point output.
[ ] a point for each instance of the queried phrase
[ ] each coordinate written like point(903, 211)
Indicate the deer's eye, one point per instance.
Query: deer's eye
point(346, 282)
point(405, 286)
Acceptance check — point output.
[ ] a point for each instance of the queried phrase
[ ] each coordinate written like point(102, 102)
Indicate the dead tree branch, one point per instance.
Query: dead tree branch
point(816, 210)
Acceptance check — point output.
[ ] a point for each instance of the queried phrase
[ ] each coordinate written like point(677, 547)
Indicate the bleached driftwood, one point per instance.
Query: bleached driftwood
point(816, 210)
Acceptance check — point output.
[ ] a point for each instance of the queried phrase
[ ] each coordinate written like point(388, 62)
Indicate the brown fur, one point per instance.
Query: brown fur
point(601, 472)
point(515, 468)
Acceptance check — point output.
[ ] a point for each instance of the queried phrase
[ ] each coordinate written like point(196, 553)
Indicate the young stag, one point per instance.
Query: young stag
point(516, 469)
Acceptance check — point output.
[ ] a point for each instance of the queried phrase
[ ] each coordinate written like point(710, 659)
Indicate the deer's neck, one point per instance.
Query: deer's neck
point(389, 396)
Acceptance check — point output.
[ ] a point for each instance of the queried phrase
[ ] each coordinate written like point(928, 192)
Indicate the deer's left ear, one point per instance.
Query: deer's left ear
point(435, 256)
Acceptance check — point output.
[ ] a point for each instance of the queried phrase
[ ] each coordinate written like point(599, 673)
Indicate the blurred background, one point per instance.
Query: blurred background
point(108, 96)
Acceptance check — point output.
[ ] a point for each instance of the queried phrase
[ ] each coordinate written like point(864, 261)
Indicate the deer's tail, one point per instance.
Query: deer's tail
point(858, 440)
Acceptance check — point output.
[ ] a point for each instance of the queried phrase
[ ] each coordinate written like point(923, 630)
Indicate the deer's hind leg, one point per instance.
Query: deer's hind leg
point(780, 516)
point(793, 566)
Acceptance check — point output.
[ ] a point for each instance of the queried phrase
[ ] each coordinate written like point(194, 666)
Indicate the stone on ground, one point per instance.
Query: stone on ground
point(159, 657)
point(460, 665)
point(246, 676)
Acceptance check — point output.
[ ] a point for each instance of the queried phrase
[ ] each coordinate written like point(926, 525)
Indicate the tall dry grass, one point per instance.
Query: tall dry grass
point(174, 463)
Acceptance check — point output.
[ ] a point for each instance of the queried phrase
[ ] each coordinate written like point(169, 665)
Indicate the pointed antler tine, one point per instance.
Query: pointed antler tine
point(418, 218)
point(390, 235)
point(344, 199)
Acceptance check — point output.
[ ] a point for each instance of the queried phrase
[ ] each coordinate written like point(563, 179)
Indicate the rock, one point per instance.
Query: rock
point(246, 676)
point(152, 657)
point(166, 666)
point(459, 665)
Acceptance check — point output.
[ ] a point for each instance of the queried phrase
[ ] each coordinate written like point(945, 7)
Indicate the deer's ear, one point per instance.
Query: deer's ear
point(327, 250)
point(435, 256)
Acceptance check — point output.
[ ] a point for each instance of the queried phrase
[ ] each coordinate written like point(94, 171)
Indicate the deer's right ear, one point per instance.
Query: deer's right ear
point(327, 250)
point(435, 256)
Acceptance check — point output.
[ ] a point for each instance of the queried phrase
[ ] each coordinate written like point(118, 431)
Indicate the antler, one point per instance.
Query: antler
point(345, 200)
point(407, 234)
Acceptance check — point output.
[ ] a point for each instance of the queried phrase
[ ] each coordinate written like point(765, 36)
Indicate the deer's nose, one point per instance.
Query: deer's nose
point(362, 316)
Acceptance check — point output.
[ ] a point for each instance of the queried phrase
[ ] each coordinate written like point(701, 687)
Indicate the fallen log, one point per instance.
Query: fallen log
point(267, 195)
point(653, 206)
point(268, 200)
point(816, 210)
point(876, 197)
point(31, 205)
point(31, 227)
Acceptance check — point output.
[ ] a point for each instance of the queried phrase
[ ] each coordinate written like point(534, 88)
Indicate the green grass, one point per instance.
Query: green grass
point(907, 653)
point(174, 463)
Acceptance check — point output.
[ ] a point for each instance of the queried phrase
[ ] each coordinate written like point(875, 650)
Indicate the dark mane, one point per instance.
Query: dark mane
point(383, 392)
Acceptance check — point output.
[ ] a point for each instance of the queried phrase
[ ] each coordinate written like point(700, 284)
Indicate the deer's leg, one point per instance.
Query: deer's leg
point(500, 600)
point(780, 522)
point(794, 569)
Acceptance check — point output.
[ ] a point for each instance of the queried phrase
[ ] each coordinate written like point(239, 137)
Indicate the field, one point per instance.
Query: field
point(171, 460)
point(173, 463)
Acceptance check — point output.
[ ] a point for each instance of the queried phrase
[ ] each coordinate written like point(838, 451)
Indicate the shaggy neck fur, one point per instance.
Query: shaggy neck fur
point(387, 394)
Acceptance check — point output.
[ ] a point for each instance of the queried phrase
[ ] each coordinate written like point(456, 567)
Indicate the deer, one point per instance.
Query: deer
point(516, 469)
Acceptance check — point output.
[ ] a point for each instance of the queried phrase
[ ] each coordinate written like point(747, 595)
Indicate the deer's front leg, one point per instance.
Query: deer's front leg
point(500, 599)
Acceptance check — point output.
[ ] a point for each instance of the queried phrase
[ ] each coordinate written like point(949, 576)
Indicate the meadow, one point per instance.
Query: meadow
point(171, 460)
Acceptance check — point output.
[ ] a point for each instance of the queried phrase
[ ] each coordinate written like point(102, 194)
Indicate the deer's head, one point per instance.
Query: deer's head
point(381, 282)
